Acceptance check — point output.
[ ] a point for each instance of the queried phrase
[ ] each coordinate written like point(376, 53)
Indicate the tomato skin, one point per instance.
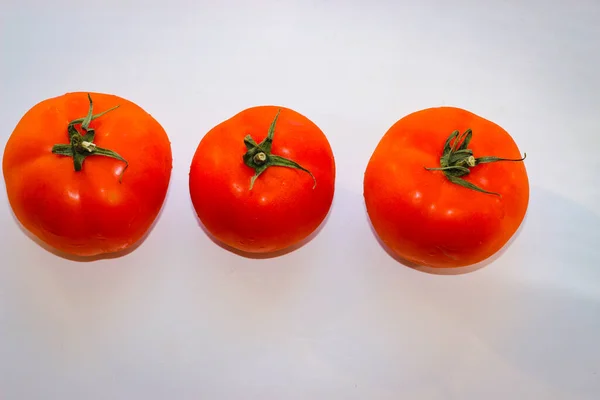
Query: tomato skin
point(424, 218)
point(284, 207)
point(88, 212)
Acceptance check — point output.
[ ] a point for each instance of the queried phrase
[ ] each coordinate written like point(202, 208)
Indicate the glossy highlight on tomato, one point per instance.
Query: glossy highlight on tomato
point(446, 188)
point(87, 173)
point(263, 180)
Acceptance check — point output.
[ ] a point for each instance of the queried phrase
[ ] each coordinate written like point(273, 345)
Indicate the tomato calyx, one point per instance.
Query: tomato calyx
point(259, 157)
point(81, 146)
point(457, 160)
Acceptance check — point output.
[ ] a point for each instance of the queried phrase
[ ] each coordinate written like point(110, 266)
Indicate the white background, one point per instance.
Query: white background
point(182, 318)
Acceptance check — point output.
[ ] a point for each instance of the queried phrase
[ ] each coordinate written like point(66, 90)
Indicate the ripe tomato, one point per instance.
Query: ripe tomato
point(84, 183)
point(262, 180)
point(438, 194)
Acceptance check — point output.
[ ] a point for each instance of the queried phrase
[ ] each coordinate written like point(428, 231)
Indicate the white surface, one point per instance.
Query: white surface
point(181, 318)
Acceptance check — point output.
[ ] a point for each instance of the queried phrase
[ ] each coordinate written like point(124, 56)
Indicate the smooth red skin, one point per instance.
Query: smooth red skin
point(424, 218)
point(283, 208)
point(87, 213)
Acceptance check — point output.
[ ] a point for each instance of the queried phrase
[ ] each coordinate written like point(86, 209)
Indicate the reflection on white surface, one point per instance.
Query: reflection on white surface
point(182, 318)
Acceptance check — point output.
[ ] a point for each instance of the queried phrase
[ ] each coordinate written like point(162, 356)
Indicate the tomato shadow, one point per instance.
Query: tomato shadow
point(99, 257)
point(446, 271)
point(263, 256)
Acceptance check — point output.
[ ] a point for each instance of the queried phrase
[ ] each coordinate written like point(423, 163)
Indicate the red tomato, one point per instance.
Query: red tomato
point(87, 184)
point(262, 180)
point(446, 188)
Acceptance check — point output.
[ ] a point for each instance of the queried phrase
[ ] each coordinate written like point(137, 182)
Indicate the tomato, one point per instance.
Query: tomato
point(263, 180)
point(87, 184)
point(445, 188)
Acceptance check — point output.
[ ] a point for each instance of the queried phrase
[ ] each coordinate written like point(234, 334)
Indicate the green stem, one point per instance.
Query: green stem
point(457, 160)
point(82, 146)
point(259, 157)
